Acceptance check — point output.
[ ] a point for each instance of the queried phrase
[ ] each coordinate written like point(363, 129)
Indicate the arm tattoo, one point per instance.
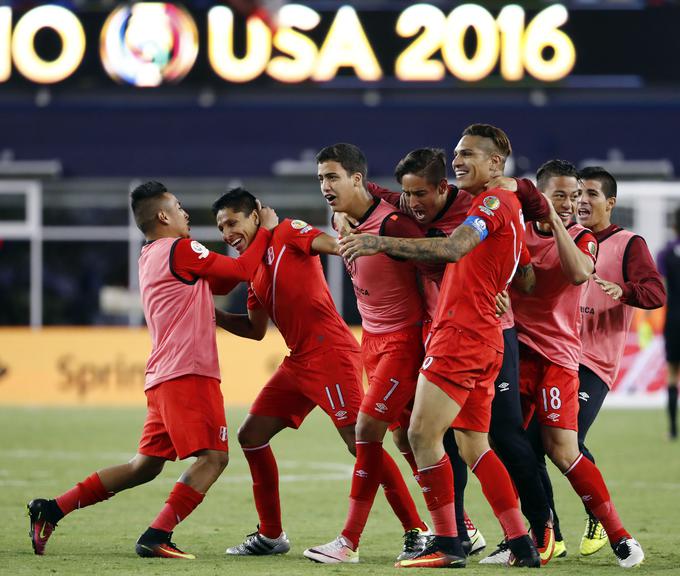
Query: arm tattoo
point(450, 249)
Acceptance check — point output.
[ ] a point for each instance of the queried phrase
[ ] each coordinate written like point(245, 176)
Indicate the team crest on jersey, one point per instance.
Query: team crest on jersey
point(592, 248)
point(492, 202)
point(298, 224)
point(201, 250)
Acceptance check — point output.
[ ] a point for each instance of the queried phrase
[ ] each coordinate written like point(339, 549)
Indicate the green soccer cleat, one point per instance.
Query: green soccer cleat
point(594, 538)
point(560, 549)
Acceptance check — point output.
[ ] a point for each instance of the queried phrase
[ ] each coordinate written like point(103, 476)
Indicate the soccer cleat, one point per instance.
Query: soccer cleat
point(335, 552)
point(256, 544)
point(436, 556)
point(501, 555)
point(156, 544)
point(629, 553)
point(545, 543)
point(43, 520)
point(594, 537)
point(476, 540)
point(415, 541)
point(523, 553)
point(560, 549)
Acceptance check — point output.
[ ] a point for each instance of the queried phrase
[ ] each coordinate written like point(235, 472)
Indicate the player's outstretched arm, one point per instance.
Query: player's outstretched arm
point(325, 244)
point(252, 325)
point(451, 249)
point(238, 269)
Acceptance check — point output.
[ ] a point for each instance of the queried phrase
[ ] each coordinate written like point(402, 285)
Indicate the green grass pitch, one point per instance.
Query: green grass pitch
point(45, 451)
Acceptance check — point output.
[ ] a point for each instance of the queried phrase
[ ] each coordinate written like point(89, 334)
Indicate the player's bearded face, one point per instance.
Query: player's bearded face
point(237, 228)
point(563, 192)
point(474, 164)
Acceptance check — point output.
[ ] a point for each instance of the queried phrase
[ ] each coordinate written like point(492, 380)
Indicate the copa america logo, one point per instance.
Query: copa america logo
point(149, 43)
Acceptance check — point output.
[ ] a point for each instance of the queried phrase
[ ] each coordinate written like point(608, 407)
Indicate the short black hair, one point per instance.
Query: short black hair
point(349, 156)
point(143, 201)
point(238, 199)
point(554, 168)
point(603, 177)
point(428, 163)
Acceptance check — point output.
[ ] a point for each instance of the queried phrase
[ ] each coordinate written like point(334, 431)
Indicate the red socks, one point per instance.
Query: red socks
point(500, 493)
point(398, 496)
point(365, 481)
point(181, 502)
point(588, 483)
point(437, 485)
point(265, 474)
point(85, 493)
point(373, 467)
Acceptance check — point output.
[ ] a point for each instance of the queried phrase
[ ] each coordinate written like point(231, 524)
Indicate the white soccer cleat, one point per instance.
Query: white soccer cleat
point(501, 555)
point(256, 544)
point(335, 552)
point(629, 553)
point(477, 540)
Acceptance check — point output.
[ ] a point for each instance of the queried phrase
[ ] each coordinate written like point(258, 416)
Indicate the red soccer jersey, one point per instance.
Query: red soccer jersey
point(548, 320)
point(290, 285)
point(469, 287)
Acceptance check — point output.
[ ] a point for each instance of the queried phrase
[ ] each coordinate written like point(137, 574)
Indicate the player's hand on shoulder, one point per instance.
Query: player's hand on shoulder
point(356, 245)
point(503, 182)
point(268, 218)
point(344, 224)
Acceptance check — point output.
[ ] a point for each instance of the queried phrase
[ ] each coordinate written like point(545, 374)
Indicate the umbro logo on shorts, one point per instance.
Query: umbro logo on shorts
point(380, 407)
point(504, 386)
point(427, 362)
point(223, 433)
point(362, 473)
point(341, 414)
point(584, 396)
point(553, 416)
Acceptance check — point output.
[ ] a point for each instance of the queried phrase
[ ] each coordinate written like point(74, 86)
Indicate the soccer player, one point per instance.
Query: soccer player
point(391, 315)
point(669, 266)
point(563, 256)
point(464, 354)
point(439, 208)
point(626, 278)
point(185, 409)
point(323, 369)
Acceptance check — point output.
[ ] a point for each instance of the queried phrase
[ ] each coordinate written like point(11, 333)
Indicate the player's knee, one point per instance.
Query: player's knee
point(417, 437)
point(248, 437)
point(400, 437)
point(145, 469)
point(561, 456)
point(216, 460)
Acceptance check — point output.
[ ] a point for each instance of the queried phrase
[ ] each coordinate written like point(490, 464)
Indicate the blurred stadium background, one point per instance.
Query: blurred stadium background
point(96, 96)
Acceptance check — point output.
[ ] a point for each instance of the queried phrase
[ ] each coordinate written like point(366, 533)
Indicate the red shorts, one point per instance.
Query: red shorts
point(184, 415)
point(331, 380)
point(548, 389)
point(391, 362)
point(465, 369)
